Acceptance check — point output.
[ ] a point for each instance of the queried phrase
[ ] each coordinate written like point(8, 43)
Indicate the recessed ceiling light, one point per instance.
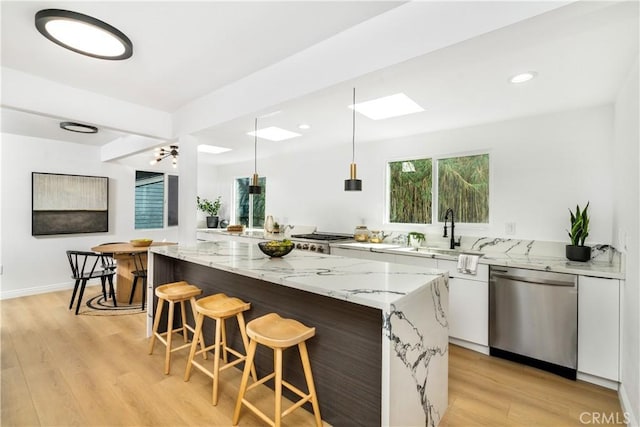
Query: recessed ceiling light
point(78, 127)
point(83, 34)
point(274, 133)
point(212, 149)
point(304, 126)
point(523, 77)
point(388, 106)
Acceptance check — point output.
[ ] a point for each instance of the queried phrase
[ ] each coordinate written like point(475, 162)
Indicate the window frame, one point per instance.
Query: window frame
point(434, 189)
point(234, 212)
point(165, 200)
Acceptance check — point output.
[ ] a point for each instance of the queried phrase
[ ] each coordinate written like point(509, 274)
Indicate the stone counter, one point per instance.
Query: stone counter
point(380, 354)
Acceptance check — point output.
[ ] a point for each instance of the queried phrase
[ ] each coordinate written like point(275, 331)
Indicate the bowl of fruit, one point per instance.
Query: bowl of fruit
point(141, 243)
point(276, 248)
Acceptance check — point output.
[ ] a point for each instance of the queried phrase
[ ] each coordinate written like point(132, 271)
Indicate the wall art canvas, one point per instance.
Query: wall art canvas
point(69, 204)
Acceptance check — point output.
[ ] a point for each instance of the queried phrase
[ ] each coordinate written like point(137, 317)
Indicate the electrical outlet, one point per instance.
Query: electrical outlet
point(510, 228)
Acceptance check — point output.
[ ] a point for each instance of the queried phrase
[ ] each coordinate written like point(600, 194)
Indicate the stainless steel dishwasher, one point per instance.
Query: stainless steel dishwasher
point(533, 318)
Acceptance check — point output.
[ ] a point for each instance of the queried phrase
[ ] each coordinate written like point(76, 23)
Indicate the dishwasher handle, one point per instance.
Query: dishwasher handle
point(534, 280)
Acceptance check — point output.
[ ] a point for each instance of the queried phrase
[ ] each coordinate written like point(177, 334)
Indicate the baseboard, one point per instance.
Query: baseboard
point(631, 418)
point(470, 345)
point(603, 382)
point(35, 290)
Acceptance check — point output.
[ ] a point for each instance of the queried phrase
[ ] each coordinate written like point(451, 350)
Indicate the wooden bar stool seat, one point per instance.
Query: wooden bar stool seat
point(278, 333)
point(219, 307)
point(177, 292)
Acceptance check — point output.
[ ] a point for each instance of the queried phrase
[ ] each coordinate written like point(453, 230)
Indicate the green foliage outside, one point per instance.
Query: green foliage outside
point(410, 192)
point(242, 202)
point(463, 185)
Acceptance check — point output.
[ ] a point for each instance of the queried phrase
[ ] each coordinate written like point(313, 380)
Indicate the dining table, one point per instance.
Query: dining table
point(123, 253)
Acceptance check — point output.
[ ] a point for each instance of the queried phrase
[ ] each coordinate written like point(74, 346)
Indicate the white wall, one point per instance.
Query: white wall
point(38, 264)
point(626, 230)
point(540, 167)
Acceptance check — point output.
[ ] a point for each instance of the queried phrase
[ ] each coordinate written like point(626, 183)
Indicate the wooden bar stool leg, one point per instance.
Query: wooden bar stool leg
point(167, 357)
point(245, 379)
point(183, 313)
point(194, 346)
point(224, 341)
point(156, 323)
point(277, 362)
point(216, 360)
point(201, 337)
point(245, 341)
point(306, 366)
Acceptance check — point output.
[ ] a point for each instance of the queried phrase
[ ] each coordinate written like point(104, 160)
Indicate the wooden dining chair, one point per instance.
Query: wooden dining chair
point(139, 273)
point(85, 266)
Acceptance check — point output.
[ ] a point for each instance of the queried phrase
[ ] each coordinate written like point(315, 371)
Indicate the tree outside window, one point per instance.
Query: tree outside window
point(250, 208)
point(410, 183)
point(463, 185)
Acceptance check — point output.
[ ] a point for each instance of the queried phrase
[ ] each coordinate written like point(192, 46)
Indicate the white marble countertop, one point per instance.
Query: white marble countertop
point(370, 283)
point(512, 253)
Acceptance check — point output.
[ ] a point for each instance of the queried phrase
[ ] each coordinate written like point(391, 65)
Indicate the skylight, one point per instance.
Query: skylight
point(388, 106)
point(274, 133)
point(212, 149)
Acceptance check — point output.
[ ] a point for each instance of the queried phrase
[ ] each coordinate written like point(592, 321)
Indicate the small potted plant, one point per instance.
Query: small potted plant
point(211, 208)
point(415, 239)
point(577, 251)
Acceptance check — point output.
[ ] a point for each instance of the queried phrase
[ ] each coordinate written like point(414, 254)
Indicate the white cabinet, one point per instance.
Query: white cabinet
point(599, 327)
point(363, 254)
point(420, 261)
point(468, 305)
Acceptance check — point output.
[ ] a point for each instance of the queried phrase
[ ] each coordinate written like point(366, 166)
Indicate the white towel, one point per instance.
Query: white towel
point(468, 263)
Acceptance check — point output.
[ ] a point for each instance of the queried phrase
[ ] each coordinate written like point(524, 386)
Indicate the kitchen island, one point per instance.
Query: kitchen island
point(380, 354)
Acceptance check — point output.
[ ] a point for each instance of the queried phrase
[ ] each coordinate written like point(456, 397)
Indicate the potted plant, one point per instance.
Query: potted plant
point(211, 209)
point(415, 239)
point(577, 251)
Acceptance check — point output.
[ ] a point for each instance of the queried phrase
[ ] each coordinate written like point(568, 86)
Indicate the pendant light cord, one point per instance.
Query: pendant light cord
point(255, 147)
point(353, 135)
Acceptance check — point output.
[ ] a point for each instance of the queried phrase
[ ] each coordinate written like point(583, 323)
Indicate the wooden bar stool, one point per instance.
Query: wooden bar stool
point(173, 293)
point(278, 333)
point(219, 307)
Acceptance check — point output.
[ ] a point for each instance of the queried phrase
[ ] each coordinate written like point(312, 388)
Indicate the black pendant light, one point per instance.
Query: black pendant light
point(353, 184)
point(254, 187)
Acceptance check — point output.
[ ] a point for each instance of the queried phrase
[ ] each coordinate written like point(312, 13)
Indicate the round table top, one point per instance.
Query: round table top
point(119, 248)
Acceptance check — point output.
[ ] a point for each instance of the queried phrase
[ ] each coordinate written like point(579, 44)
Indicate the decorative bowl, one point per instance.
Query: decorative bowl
point(140, 243)
point(276, 248)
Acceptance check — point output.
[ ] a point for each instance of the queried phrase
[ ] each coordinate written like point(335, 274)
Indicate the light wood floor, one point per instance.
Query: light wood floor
point(59, 369)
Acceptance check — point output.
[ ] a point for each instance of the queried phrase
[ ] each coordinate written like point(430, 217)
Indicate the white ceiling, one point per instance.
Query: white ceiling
point(184, 51)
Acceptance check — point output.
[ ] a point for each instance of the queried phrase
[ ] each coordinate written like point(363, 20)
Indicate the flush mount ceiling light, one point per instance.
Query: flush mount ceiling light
point(78, 127)
point(274, 133)
point(83, 34)
point(523, 77)
point(353, 184)
point(163, 153)
point(254, 187)
point(212, 149)
point(304, 126)
point(388, 106)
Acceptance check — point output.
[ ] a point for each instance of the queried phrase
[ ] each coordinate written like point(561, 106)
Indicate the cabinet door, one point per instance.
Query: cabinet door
point(347, 253)
point(420, 261)
point(469, 310)
point(598, 326)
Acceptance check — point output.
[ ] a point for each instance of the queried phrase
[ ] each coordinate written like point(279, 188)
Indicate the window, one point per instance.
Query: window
point(462, 184)
point(249, 208)
point(410, 191)
point(150, 200)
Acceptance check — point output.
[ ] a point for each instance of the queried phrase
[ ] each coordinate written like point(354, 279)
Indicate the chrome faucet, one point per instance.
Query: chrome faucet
point(453, 243)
